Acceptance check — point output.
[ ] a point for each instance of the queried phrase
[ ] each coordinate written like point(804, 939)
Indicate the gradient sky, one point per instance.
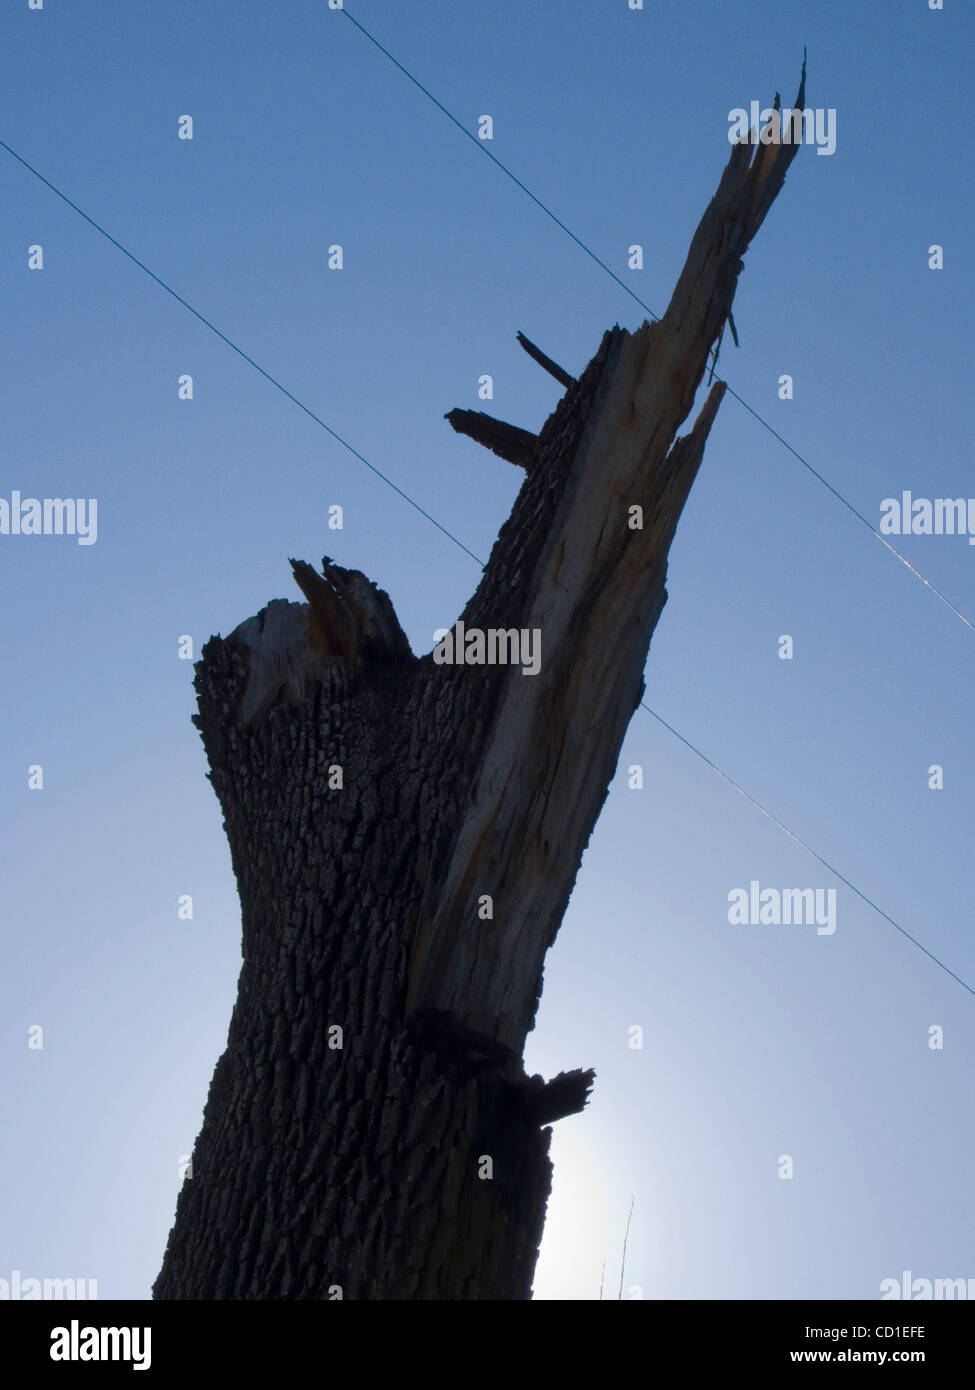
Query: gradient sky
point(759, 1041)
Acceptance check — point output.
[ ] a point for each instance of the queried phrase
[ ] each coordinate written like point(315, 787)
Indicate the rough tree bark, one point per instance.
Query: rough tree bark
point(363, 1168)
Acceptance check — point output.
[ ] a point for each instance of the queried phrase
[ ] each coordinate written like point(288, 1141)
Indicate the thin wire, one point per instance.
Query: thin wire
point(239, 350)
point(776, 435)
point(626, 1236)
point(802, 845)
point(514, 178)
point(850, 507)
point(643, 305)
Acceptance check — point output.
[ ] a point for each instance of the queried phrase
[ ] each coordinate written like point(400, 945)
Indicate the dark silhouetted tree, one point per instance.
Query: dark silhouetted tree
point(405, 836)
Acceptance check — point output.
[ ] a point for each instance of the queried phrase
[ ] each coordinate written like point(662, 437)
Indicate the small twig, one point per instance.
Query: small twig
point(626, 1236)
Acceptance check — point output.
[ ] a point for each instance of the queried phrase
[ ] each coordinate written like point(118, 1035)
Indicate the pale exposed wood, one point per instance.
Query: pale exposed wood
point(595, 595)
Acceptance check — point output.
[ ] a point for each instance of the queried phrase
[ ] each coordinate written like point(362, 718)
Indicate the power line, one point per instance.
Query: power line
point(231, 344)
point(481, 146)
point(802, 845)
point(355, 452)
point(643, 305)
point(850, 507)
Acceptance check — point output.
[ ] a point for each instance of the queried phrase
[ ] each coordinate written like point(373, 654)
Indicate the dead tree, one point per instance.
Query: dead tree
point(406, 832)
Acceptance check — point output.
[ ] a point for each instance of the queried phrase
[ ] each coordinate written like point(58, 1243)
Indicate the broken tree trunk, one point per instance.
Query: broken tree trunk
point(405, 833)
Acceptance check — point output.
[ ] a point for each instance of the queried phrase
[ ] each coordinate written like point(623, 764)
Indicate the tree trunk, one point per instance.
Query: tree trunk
point(405, 835)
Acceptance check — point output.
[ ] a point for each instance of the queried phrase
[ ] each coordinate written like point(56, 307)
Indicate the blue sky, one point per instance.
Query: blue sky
point(759, 1041)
